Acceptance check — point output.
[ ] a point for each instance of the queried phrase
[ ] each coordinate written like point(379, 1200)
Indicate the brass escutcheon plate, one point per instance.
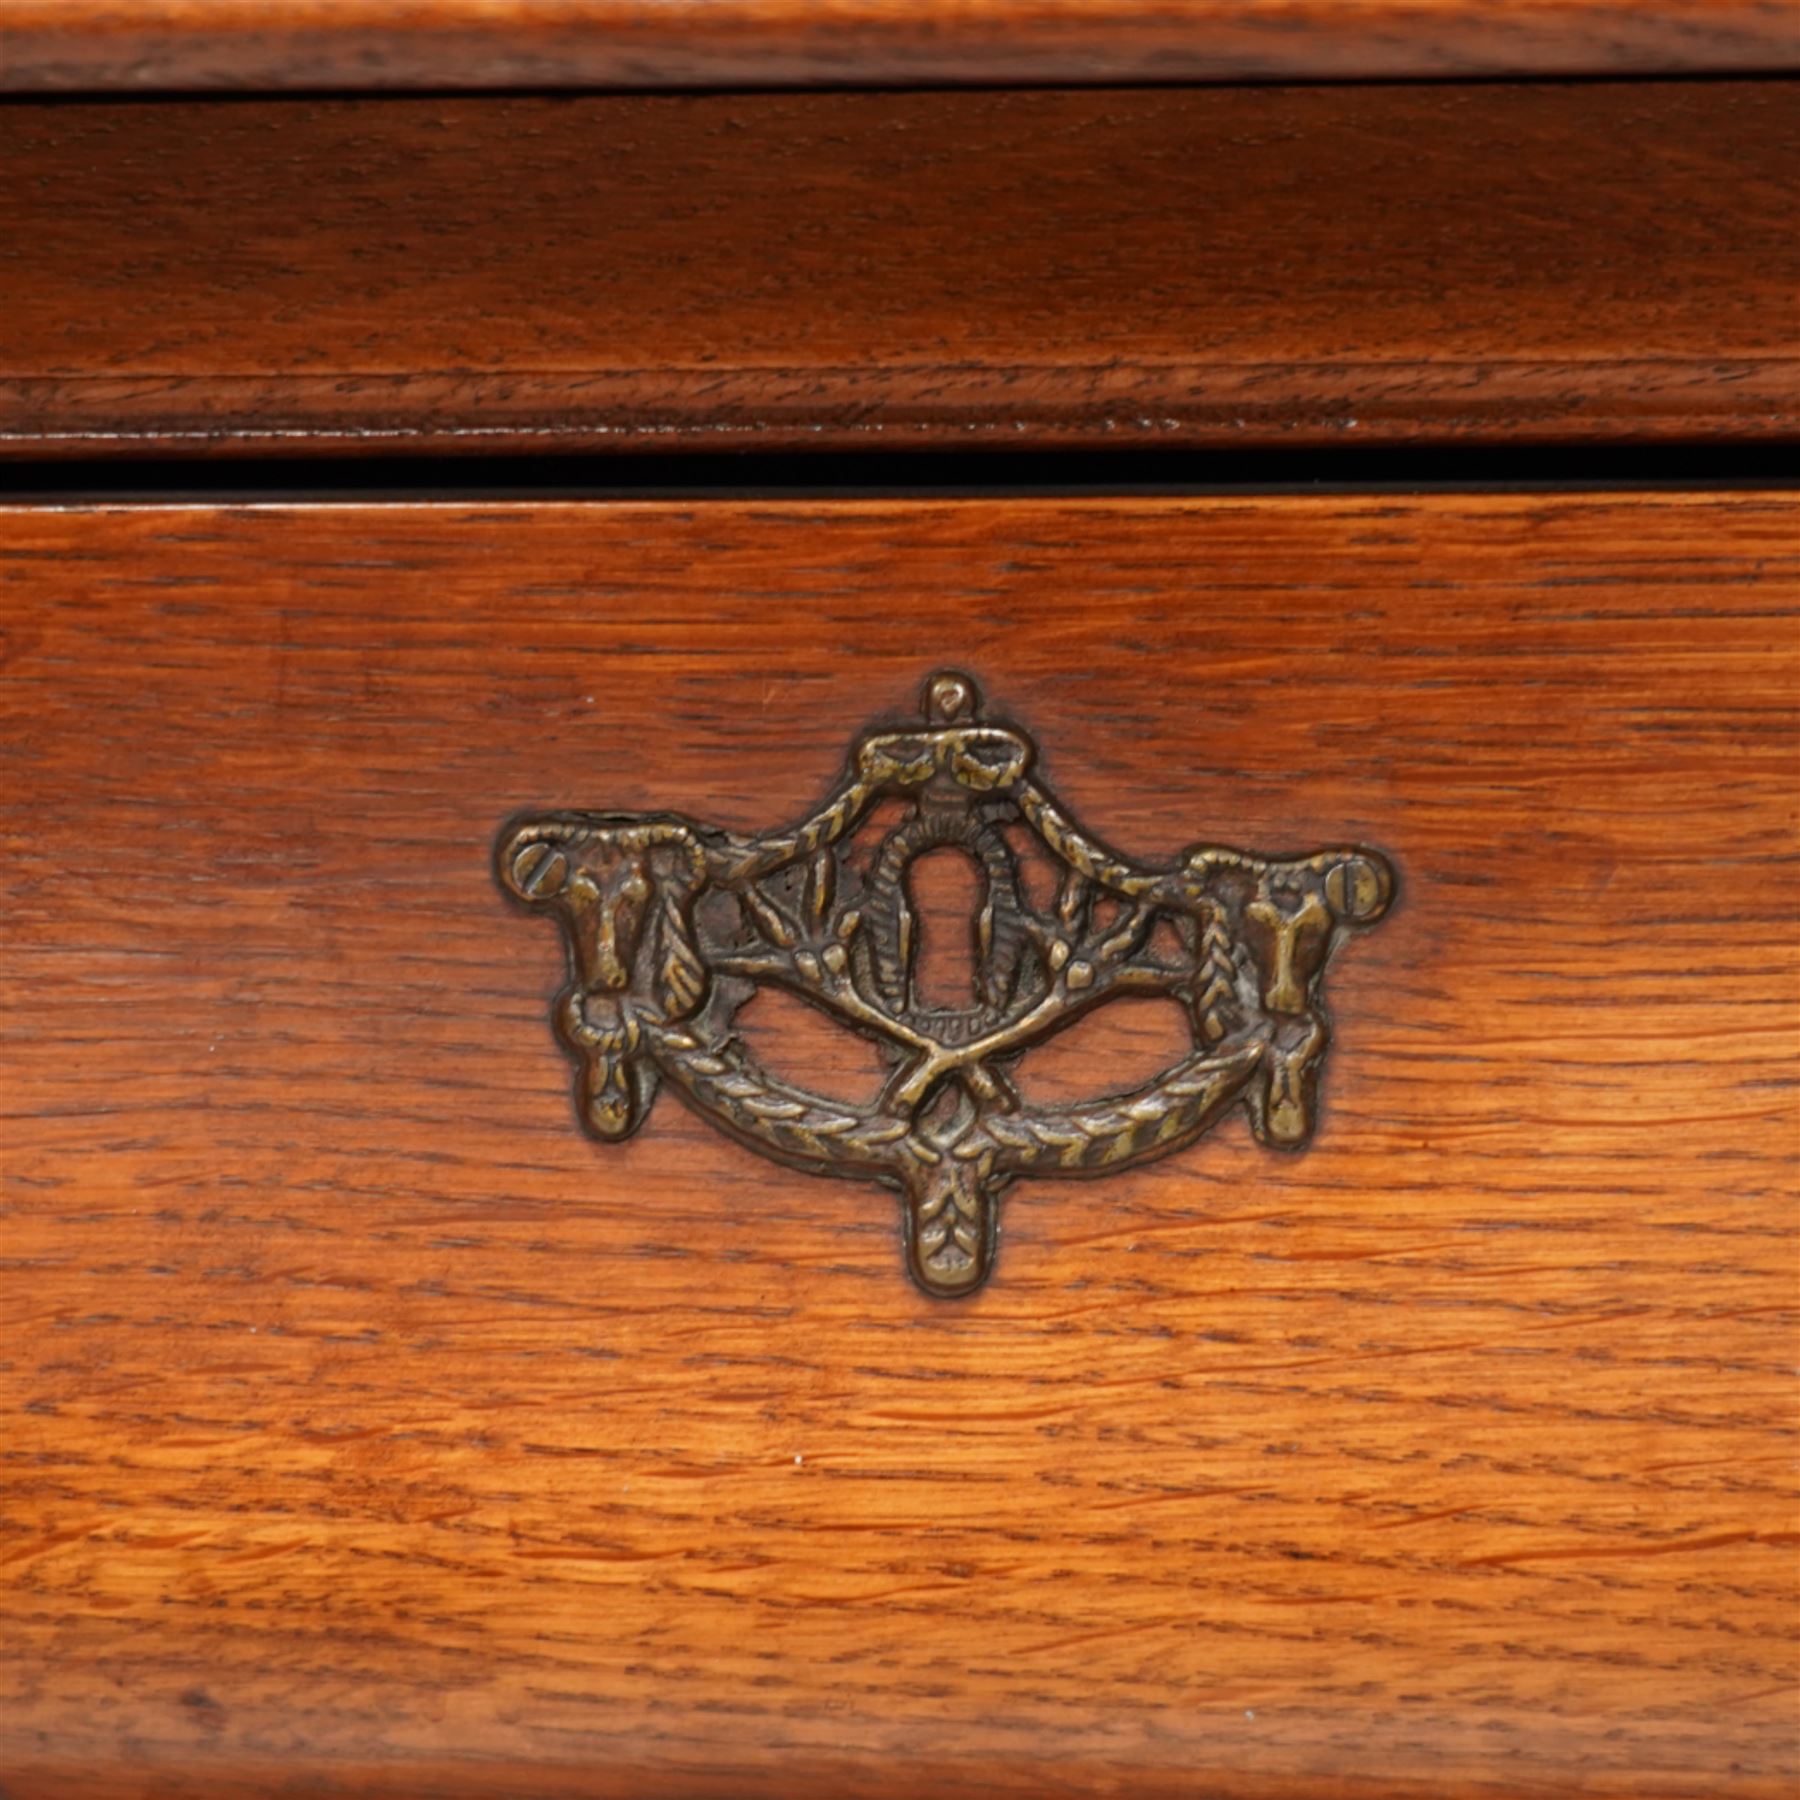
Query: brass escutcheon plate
point(671, 926)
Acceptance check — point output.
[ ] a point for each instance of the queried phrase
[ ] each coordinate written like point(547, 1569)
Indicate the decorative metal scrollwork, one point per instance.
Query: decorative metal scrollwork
point(671, 926)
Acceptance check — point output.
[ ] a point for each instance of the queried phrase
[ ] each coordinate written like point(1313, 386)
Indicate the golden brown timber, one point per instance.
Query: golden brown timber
point(364, 1430)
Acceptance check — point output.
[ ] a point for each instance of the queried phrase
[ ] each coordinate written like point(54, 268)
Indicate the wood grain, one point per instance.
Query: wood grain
point(57, 45)
point(1248, 268)
point(366, 1429)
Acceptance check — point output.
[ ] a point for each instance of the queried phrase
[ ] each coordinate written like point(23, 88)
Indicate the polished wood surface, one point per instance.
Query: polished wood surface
point(1255, 267)
point(51, 45)
point(365, 1429)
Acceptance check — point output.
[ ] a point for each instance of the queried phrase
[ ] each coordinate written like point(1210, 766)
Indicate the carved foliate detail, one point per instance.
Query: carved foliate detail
point(671, 926)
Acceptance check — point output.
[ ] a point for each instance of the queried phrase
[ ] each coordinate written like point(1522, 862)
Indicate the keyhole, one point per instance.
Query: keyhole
point(945, 889)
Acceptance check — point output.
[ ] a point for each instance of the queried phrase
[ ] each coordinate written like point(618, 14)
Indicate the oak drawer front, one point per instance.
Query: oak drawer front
point(367, 1426)
point(1543, 264)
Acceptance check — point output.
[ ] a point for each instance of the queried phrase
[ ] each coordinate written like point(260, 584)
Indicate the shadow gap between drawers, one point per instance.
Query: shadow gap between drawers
point(1513, 468)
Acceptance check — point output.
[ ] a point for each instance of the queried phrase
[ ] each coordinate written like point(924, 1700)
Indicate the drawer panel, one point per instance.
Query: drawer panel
point(1502, 263)
point(63, 46)
point(369, 1427)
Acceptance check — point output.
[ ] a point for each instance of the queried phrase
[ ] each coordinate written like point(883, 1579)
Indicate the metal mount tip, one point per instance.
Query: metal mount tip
point(951, 698)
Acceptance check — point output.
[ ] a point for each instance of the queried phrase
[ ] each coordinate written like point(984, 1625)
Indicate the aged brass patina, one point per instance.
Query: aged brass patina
point(672, 925)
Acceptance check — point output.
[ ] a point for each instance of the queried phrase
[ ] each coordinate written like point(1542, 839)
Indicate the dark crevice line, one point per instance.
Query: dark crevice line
point(1758, 63)
point(1431, 468)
